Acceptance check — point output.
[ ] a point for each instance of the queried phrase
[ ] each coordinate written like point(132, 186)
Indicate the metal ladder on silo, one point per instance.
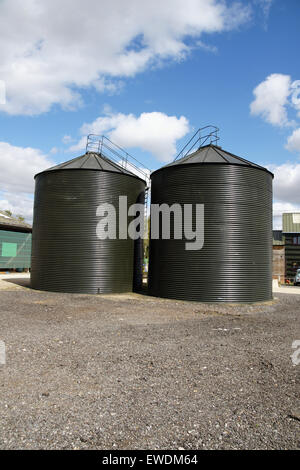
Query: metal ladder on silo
point(146, 232)
point(199, 139)
point(147, 199)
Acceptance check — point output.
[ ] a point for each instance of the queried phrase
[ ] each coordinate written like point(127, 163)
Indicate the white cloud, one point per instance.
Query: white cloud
point(293, 141)
point(67, 139)
point(18, 166)
point(286, 185)
point(273, 96)
point(286, 182)
point(55, 49)
point(271, 99)
point(295, 97)
point(18, 204)
point(207, 47)
point(154, 132)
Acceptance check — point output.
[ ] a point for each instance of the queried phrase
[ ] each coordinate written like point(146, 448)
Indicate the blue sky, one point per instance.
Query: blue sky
point(147, 76)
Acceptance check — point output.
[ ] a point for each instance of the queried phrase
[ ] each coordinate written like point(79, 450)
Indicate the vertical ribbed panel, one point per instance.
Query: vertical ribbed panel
point(235, 263)
point(67, 256)
point(20, 243)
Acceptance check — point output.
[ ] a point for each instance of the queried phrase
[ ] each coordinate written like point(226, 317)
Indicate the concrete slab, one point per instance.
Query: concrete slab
point(287, 290)
point(14, 275)
point(14, 281)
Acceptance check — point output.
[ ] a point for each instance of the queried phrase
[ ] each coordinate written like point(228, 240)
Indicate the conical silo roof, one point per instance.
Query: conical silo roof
point(91, 161)
point(215, 155)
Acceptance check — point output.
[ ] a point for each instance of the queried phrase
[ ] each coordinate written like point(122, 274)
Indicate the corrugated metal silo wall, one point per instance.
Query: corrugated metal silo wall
point(67, 256)
point(235, 263)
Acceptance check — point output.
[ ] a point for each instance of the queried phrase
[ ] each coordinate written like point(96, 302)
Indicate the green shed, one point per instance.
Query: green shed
point(15, 243)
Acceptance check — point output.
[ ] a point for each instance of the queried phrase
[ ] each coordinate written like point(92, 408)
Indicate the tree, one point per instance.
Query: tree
point(7, 212)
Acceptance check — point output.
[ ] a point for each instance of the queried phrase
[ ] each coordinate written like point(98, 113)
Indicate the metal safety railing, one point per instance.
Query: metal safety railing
point(102, 145)
point(199, 139)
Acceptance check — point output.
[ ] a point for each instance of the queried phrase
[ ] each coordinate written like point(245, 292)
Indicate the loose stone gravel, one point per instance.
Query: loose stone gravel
point(134, 372)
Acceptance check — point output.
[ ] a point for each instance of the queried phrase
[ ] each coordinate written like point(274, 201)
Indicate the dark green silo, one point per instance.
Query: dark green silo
point(235, 262)
point(67, 255)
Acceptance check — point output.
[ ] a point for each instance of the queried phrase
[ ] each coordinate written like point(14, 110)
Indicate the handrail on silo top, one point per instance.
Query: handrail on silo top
point(200, 139)
point(102, 145)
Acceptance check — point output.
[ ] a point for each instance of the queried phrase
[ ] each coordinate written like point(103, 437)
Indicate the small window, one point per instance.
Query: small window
point(296, 240)
point(9, 249)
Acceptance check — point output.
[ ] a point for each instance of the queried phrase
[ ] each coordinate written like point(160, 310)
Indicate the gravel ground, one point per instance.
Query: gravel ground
point(134, 372)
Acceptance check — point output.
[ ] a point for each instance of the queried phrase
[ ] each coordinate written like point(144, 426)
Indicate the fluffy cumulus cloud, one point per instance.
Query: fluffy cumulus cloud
point(154, 132)
point(18, 204)
point(286, 190)
point(55, 49)
point(274, 97)
point(18, 166)
point(271, 99)
point(293, 141)
point(286, 182)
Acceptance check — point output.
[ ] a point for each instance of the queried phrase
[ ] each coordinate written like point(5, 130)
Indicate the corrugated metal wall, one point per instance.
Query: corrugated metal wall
point(15, 249)
point(67, 256)
point(292, 256)
point(235, 263)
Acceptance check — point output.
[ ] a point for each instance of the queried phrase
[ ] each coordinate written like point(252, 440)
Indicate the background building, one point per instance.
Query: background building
point(291, 232)
point(286, 248)
point(278, 256)
point(15, 243)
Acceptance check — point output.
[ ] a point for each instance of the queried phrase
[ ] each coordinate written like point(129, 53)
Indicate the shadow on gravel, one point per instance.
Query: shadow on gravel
point(19, 281)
